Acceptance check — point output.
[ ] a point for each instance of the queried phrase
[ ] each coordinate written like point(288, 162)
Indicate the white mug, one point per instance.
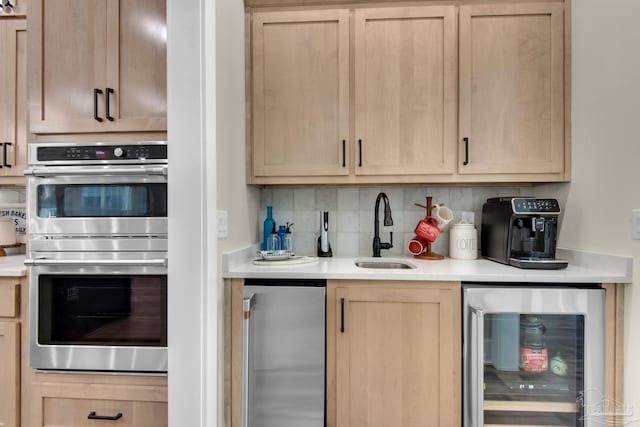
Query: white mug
point(443, 214)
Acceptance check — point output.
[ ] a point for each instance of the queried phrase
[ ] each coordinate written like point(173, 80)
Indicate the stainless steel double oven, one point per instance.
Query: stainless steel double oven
point(97, 218)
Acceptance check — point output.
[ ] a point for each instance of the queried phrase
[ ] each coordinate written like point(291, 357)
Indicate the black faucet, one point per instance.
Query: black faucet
point(388, 221)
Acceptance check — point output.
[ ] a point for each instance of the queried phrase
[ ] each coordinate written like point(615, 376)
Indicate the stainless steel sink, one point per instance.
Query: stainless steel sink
point(383, 264)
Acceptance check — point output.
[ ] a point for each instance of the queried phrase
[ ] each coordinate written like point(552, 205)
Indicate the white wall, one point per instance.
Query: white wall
point(233, 195)
point(605, 184)
point(192, 296)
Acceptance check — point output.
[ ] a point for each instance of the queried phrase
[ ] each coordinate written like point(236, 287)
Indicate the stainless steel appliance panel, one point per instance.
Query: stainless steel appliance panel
point(284, 349)
point(583, 306)
point(98, 200)
point(124, 321)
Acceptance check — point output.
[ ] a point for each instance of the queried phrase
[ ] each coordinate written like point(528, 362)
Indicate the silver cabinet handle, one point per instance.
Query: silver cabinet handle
point(34, 262)
point(476, 350)
point(247, 305)
point(67, 171)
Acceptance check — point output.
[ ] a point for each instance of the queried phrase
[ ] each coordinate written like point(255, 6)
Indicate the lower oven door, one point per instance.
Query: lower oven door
point(97, 313)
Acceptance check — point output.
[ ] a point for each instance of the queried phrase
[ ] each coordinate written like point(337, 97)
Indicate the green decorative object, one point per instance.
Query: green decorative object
point(558, 366)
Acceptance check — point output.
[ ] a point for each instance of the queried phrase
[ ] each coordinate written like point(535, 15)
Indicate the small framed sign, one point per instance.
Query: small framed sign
point(18, 213)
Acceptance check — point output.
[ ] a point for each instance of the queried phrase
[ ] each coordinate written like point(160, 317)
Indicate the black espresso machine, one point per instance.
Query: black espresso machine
point(521, 231)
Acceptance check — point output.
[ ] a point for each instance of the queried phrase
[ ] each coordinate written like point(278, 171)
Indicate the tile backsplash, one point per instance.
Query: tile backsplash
point(351, 216)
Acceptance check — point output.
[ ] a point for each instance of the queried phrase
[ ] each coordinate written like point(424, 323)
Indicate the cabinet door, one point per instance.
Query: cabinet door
point(13, 153)
point(300, 93)
point(66, 63)
point(114, 77)
point(9, 374)
point(136, 65)
point(398, 355)
point(405, 90)
point(511, 88)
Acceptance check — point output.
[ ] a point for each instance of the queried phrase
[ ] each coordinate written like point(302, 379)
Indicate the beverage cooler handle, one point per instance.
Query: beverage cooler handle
point(476, 378)
point(161, 262)
point(247, 306)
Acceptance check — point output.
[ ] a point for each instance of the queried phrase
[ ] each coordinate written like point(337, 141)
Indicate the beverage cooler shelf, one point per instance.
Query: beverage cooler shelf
point(523, 406)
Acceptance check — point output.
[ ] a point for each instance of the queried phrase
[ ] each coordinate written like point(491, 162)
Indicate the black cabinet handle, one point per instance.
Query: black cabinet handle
point(342, 315)
point(96, 92)
point(360, 153)
point(466, 151)
point(3, 161)
point(109, 92)
point(94, 416)
point(344, 153)
point(4, 154)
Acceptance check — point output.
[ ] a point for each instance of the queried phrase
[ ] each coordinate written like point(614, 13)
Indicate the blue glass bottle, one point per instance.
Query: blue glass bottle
point(269, 223)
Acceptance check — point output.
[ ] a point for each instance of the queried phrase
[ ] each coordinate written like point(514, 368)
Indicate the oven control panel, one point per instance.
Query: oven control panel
point(83, 153)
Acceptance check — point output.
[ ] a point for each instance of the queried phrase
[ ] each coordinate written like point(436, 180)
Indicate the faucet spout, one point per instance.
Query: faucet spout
point(388, 221)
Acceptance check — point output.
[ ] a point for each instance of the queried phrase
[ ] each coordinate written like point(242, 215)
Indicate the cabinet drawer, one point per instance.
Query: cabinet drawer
point(62, 412)
point(9, 300)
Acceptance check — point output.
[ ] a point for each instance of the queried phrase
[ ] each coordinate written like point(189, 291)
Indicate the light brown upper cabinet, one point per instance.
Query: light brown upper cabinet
point(13, 99)
point(427, 93)
point(97, 66)
point(512, 89)
point(405, 90)
point(300, 93)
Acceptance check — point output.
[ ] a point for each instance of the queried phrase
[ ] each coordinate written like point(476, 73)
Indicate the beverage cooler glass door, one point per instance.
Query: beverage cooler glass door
point(533, 356)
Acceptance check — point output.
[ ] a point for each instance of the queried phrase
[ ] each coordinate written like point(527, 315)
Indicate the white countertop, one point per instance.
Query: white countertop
point(12, 266)
point(602, 268)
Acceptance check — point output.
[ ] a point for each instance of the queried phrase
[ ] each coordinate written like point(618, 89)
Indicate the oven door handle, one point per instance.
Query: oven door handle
point(35, 262)
point(66, 171)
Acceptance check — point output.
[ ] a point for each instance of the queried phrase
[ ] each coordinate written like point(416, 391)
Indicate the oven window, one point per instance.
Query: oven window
point(102, 310)
point(102, 200)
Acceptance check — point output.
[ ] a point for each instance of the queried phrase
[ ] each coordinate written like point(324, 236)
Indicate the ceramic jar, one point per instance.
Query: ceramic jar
point(463, 241)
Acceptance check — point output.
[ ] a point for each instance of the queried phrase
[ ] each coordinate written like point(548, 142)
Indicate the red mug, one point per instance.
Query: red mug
point(428, 229)
point(417, 245)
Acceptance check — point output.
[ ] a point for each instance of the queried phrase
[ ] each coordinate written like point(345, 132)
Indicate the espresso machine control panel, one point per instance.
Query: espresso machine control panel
point(526, 206)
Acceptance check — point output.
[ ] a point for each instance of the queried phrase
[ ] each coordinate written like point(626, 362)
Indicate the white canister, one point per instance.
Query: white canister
point(7, 231)
point(463, 241)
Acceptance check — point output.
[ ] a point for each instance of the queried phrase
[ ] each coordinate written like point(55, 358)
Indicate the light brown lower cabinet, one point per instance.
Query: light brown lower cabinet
point(63, 400)
point(9, 373)
point(91, 412)
point(393, 354)
point(10, 341)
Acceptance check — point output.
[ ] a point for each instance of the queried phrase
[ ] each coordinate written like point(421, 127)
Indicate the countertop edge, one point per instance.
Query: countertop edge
point(611, 269)
point(12, 266)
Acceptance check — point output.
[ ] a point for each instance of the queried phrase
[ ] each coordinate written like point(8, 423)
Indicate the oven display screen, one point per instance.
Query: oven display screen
point(102, 310)
point(103, 154)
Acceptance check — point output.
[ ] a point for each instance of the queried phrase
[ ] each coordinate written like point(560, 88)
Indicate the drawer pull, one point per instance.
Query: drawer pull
point(94, 416)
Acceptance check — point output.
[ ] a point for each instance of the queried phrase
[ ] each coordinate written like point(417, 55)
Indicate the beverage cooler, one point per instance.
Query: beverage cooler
point(533, 355)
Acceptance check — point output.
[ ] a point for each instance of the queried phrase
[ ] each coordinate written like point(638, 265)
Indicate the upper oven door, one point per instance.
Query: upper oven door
point(98, 200)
